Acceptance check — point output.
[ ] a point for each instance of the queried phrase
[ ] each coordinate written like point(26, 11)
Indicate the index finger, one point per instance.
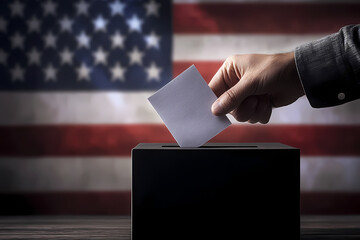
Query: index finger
point(217, 83)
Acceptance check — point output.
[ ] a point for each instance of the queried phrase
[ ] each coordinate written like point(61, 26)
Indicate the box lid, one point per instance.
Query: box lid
point(218, 146)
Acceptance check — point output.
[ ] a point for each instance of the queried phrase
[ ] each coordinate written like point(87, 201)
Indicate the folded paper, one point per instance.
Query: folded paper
point(184, 104)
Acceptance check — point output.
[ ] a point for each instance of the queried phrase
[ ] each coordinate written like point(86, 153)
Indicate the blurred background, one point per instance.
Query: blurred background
point(75, 77)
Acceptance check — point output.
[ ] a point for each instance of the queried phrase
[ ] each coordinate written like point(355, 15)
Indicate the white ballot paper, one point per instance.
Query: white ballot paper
point(184, 104)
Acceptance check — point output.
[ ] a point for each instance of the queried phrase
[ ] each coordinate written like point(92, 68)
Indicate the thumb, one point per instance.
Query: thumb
point(233, 97)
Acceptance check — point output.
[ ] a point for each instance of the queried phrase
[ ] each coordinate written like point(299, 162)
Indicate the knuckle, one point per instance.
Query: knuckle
point(264, 121)
point(266, 118)
point(243, 113)
point(252, 121)
point(230, 58)
point(238, 116)
point(231, 96)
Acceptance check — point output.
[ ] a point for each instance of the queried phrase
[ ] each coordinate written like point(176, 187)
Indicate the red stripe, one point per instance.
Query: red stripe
point(118, 140)
point(118, 203)
point(329, 203)
point(206, 68)
point(67, 203)
point(264, 17)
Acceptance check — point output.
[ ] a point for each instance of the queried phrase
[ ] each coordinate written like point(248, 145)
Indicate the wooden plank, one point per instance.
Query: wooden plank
point(117, 227)
point(330, 227)
point(65, 227)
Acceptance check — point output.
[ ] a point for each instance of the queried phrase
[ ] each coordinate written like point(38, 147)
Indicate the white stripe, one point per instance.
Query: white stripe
point(65, 173)
point(208, 47)
point(330, 174)
point(114, 173)
point(301, 112)
point(75, 108)
point(134, 108)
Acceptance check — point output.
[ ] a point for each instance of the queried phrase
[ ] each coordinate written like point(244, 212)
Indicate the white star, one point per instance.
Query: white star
point(3, 25)
point(82, 7)
point(50, 73)
point(134, 23)
point(117, 8)
point(3, 57)
point(66, 24)
point(49, 8)
point(152, 8)
point(117, 40)
point(83, 40)
point(135, 56)
point(17, 73)
point(83, 72)
point(17, 9)
point(153, 72)
point(100, 24)
point(17, 41)
point(100, 56)
point(50, 40)
point(34, 57)
point(152, 40)
point(33, 24)
point(66, 56)
point(117, 73)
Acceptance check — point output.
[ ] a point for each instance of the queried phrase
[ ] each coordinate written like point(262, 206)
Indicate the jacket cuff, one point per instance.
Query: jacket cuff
point(324, 72)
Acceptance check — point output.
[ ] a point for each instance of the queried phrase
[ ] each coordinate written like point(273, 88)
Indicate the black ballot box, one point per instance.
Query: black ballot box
point(217, 191)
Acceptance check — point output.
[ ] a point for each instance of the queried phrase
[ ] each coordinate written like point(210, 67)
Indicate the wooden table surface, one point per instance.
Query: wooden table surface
point(115, 227)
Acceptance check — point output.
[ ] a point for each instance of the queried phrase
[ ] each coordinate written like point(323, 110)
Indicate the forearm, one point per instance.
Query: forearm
point(329, 68)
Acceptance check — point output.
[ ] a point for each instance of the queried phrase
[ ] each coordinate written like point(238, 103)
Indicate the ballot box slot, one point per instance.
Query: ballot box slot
point(217, 146)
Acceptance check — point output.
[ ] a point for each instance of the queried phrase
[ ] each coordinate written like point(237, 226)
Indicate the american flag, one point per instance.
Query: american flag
point(75, 77)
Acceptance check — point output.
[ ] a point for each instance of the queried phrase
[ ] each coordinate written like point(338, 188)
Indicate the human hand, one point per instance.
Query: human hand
point(249, 86)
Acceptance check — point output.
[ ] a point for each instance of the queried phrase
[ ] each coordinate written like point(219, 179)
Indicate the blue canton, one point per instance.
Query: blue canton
point(80, 45)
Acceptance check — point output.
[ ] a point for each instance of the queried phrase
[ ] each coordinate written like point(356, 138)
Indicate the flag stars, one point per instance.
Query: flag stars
point(152, 40)
point(152, 8)
point(50, 73)
point(100, 56)
point(49, 8)
point(134, 24)
point(117, 8)
point(17, 41)
point(66, 56)
point(117, 40)
point(83, 72)
point(135, 56)
point(66, 24)
point(17, 73)
point(100, 24)
point(3, 57)
point(117, 73)
point(82, 8)
point(34, 24)
point(83, 40)
point(153, 72)
point(50, 40)
point(3, 25)
point(34, 57)
point(17, 9)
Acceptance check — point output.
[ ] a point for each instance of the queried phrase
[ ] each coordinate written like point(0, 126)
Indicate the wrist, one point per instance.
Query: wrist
point(292, 73)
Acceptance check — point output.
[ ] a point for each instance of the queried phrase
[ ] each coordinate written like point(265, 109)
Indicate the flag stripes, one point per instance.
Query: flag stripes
point(118, 140)
point(214, 47)
point(329, 174)
point(260, 17)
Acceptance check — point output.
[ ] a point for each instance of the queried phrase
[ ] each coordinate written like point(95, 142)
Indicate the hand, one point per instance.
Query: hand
point(249, 86)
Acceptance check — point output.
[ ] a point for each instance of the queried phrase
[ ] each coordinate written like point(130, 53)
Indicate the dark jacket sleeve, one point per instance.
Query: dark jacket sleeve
point(329, 68)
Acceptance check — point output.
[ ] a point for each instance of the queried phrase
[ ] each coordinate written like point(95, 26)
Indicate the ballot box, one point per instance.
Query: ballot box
point(217, 191)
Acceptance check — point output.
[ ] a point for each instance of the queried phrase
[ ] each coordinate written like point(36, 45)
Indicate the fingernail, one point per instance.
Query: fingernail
point(217, 107)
